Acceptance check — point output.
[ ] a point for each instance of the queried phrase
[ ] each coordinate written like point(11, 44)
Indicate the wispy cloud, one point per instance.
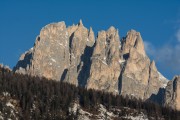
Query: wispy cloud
point(167, 55)
point(150, 49)
point(178, 35)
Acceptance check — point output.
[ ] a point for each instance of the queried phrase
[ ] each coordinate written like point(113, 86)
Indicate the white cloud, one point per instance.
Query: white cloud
point(178, 35)
point(150, 49)
point(168, 56)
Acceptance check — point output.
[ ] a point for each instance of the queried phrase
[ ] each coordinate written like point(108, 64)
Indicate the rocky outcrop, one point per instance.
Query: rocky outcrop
point(156, 85)
point(79, 41)
point(58, 52)
point(172, 93)
point(136, 70)
point(140, 77)
point(133, 40)
point(71, 54)
point(23, 64)
point(50, 55)
point(105, 67)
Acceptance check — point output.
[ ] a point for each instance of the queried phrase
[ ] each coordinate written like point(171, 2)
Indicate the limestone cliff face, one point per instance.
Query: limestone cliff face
point(105, 67)
point(50, 54)
point(58, 52)
point(156, 83)
point(136, 70)
point(139, 77)
point(172, 93)
point(80, 40)
point(133, 40)
point(71, 54)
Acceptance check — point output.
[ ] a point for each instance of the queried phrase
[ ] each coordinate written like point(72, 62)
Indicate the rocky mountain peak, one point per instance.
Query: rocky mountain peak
point(139, 45)
point(73, 54)
point(133, 39)
point(80, 23)
point(111, 30)
point(105, 67)
point(91, 37)
point(153, 66)
point(52, 28)
point(71, 29)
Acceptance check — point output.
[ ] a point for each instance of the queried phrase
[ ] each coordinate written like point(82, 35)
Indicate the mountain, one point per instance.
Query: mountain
point(107, 62)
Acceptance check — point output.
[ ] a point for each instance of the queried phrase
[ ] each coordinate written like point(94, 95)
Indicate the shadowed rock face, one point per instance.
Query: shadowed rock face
point(80, 39)
point(71, 54)
point(172, 93)
point(24, 62)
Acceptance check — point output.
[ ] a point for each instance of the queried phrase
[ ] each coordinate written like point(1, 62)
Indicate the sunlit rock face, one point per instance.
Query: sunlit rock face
point(58, 52)
point(135, 75)
point(139, 77)
point(73, 54)
point(105, 67)
point(81, 42)
point(51, 52)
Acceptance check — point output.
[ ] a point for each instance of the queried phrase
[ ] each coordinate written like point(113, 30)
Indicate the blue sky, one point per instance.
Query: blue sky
point(157, 20)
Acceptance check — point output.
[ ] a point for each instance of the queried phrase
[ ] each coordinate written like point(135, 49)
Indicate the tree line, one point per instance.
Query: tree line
point(40, 98)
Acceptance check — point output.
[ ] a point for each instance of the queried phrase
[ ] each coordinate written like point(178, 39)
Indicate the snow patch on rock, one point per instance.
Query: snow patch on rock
point(121, 61)
point(6, 94)
point(53, 59)
point(10, 105)
point(139, 117)
point(163, 79)
point(104, 113)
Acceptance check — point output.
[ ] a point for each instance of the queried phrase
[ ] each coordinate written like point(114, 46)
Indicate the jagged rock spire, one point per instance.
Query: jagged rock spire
point(105, 67)
point(133, 39)
point(80, 23)
point(91, 37)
